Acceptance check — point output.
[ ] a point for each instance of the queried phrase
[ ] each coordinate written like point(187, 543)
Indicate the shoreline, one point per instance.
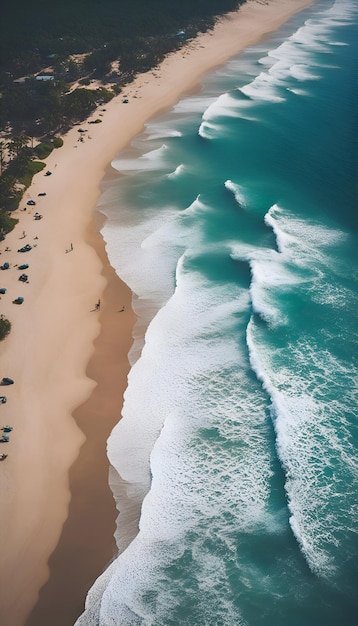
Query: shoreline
point(60, 382)
point(92, 510)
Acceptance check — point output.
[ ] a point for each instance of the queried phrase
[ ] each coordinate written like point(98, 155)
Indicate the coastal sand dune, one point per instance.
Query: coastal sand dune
point(65, 357)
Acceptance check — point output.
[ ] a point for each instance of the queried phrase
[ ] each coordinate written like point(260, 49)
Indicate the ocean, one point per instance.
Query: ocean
point(233, 219)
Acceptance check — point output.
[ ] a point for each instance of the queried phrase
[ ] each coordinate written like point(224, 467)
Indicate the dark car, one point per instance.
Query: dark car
point(7, 381)
point(2, 289)
point(31, 202)
point(23, 267)
point(26, 248)
point(48, 173)
point(24, 278)
point(43, 193)
point(5, 266)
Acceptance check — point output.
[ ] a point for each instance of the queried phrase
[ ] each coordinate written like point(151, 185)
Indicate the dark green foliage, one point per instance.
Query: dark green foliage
point(39, 34)
point(79, 104)
point(19, 172)
point(33, 30)
point(32, 104)
point(10, 196)
point(57, 142)
point(5, 327)
point(26, 173)
point(43, 149)
point(7, 224)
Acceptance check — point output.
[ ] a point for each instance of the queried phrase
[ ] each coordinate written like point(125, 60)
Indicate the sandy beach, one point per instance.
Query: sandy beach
point(68, 359)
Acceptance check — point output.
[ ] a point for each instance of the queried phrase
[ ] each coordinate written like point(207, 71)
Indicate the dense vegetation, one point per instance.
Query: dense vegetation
point(71, 43)
point(5, 327)
point(33, 30)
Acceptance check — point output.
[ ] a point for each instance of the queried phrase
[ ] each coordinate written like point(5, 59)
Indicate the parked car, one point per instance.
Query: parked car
point(48, 173)
point(25, 248)
point(31, 202)
point(18, 300)
point(43, 193)
point(23, 267)
point(7, 381)
point(2, 289)
point(5, 266)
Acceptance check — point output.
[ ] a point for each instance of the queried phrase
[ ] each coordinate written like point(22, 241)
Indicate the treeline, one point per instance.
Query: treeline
point(49, 36)
point(72, 42)
point(39, 107)
point(31, 31)
point(17, 171)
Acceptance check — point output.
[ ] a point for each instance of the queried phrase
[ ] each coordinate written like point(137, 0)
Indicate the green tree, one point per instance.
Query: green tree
point(80, 103)
point(17, 144)
point(5, 327)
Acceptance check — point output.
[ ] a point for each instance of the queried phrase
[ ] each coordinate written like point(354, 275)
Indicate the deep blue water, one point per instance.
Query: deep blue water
point(234, 221)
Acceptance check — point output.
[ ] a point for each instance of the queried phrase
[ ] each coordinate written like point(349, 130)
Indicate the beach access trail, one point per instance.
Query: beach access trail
point(69, 360)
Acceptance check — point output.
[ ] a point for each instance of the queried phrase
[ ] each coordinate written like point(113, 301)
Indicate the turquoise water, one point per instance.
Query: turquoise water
point(234, 221)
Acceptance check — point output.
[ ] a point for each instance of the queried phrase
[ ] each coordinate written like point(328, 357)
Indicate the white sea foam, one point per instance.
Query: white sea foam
point(302, 238)
point(308, 445)
point(194, 104)
point(263, 87)
point(130, 249)
point(300, 71)
point(270, 275)
point(181, 391)
point(225, 106)
point(151, 160)
point(308, 424)
point(208, 130)
point(304, 246)
point(178, 170)
point(296, 58)
point(161, 131)
point(298, 92)
point(238, 192)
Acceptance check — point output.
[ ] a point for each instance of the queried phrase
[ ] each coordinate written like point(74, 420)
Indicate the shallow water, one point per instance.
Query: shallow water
point(234, 222)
